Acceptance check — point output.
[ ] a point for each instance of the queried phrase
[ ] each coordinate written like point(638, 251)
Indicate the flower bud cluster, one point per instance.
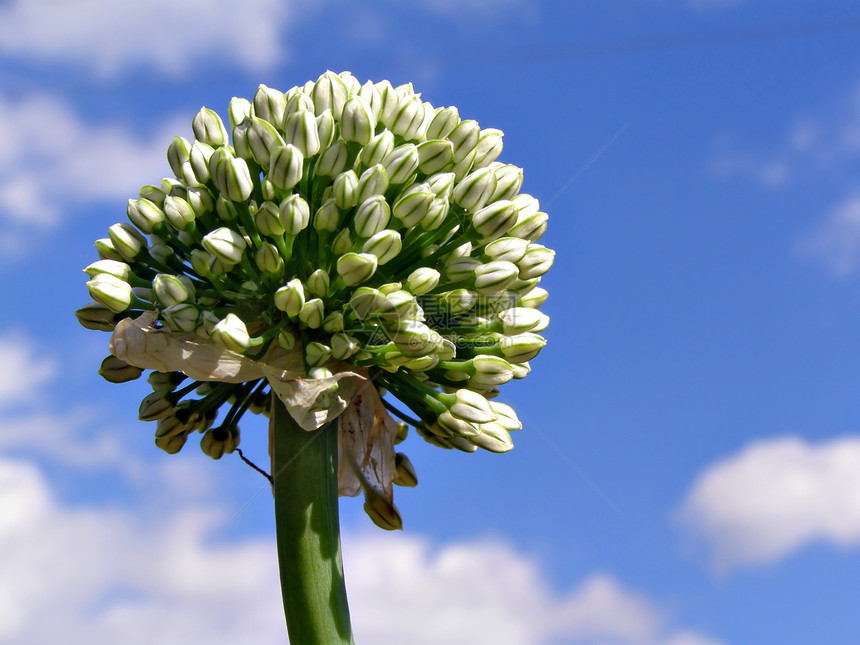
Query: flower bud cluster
point(353, 223)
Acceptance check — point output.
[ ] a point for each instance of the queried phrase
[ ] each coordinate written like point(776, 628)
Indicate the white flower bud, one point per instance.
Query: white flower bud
point(179, 212)
point(475, 189)
point(241, 146)
point(172, 289)
point(178, 152)
point(233, 178)
point(373, 182)
point(357, 123)
point(268, 259)
point(414, 338)
point(209, 128)
point(401, 163)
point(126, 240)
point(355, 268)
point(366, 301)
point(318, 283)
point(95, 316)
point(493, 438)
point(493, 221)
point(333, 322)
point(154, 406)
point(285, 166)
point(407, 118)
point(537, 261)
point(238, 110)
point(232, 334)
point(291, 298)
point(510, 249)
point(389, 100)
point(464, 166)
point(300, 129)
point(343, 346)
point(327, 217)
point(464, 137)
point(517, 320)
point(170, 426)
point(342, 242)
point(377, 149)
point(522, 347)
point(317, 354)
point(287, 339)
point(225, 244)
point(345, 189)
point(441, 184)
point(153, 194)
point(312, 313)
point(459, 301)
point(297, 101)
point(263, 140)
point(435, 155)
point(200, 200)
point(385, 245)
point(509, 180)
point(461, 268)
point(181, 318)
point(444, 120)
point(268, 220)
point(325, 128)
point(119, 269)
point(456, 426)
point(490, 371)
point(534, 298)
point(371, 216)
point(494, 277)
point(111, 291)
point(115, 370)
point(333, 161)
point(329, 93)
point(370, 93)
point(295, 214)
point(270, 105)
point(423, 280)
point(489, 147)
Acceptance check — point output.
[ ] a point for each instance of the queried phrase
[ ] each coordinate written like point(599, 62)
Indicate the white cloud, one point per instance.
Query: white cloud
point(775, 497)
point(171, 37)
point(837, 240)
point(24, 370)
point(52, 159)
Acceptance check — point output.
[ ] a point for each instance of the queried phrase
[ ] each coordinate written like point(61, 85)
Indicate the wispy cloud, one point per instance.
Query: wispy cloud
point(25, 370)
point(775, 497)
point(107, 38)
point(836, 242)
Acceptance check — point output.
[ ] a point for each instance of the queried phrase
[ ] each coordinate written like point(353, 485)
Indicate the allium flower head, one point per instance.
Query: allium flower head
point(324, 239)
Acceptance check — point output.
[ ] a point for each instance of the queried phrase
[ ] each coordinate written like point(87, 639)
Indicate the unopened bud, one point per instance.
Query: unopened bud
point(493, 438)
point(471, 406)
point(233, 178)
point(263, 139)
point(172, 289)
point(115, 370)
point(333, 161)
point(494, 220)
point(126, 240)
point(232, 334)
point(312, 313)
point(96, 316)
point(238, 110)
point(343, 346)
point(300, 129)
point(435, 155)
point(385, 245)
point(423, 280)
point(270, 105)
point(401, 163)
point(268, 259)
point(355, 268)
point(291, 298)
point(537, 261)
point(345, 189)
point(181, 318)
point(225, 244)
point(404, 474)
point(522, 347)
point(329, 93)
point(358, 122)
point(217, 442)
point(377, 149)
point(285, 166)
point(209, 128)
point(473, 191)
point(383, 513)
point(155, 406)
point(488, 148)
point(317, 354)
point(494, 277)
point(295, 214)
point(371, 216)
point(318, 283)
point(112, 292)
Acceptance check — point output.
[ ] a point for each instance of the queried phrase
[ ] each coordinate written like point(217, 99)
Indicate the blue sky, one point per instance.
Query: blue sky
point(689, 469)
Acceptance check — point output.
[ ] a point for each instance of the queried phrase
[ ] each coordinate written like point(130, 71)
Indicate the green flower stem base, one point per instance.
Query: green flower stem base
point(304, 467)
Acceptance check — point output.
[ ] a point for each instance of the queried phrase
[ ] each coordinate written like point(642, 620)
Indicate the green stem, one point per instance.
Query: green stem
point(304, 467)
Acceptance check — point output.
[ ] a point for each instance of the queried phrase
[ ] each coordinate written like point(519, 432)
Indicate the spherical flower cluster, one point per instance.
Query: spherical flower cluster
point(356, 224)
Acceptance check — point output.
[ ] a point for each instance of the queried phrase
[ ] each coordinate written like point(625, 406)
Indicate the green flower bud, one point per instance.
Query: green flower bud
point(287, 339)
point(517, 320)
point(423, 280)
point(291, 298)
point(238, 110)
point(444, 120)
point(383, 513)
point(509, 249)
point(155, 406)
point(441, 184)
point(209, 128)
point(534, 298)
point(170, 426)
point(459, 301)
point(385, 245)
point(115, 370)
point(312, 313)
point(505, 416)
point(345, 190)
point(343, 346)
point(522, 347)
point(373, 182)
point(493, 221)
point(112, 292)
point(494, 277)
point(325, 128)
point(471, 406)
point(96, 316)
point(295, 214)
point(342, 242)
point(181, 318)
point(377, 149)
point(153, 194)
point(399, 306)
point(489, 147)
point(358, 122)
point(231, 334)
point(458, 269)
point(371, 216)
point(537, 261)
point(268, 259)
point(263, 140)
point(318, 283)
point(106, 250)
point(179, 213)
point(200, 200)
point(225, 244)
point(172, 289)
point(126, 240)
point(414, 338)
point(329, 93)
point(452, 425)
point(493, 438)
point(407, 118)
point(178, 152)
point(412, 206)
point(327, 216)
point(490, 371)
point(401, 163)
point(165, 381)
point(333, 322)
point(475, 189)
point(366, 301)
point(285, 166)
point(464, 137)
point(300, 129)
point(220, 441)
point(317, 354)
point(268, 220)
point(435, 155)
point(404, 471)
point(270, 105)
point(113, 267)
point(233, 178)
point(171, 444)
point(333, 161)
point(531, 227)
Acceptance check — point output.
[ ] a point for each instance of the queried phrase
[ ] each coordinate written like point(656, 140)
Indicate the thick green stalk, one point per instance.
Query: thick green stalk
point(304, 467)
